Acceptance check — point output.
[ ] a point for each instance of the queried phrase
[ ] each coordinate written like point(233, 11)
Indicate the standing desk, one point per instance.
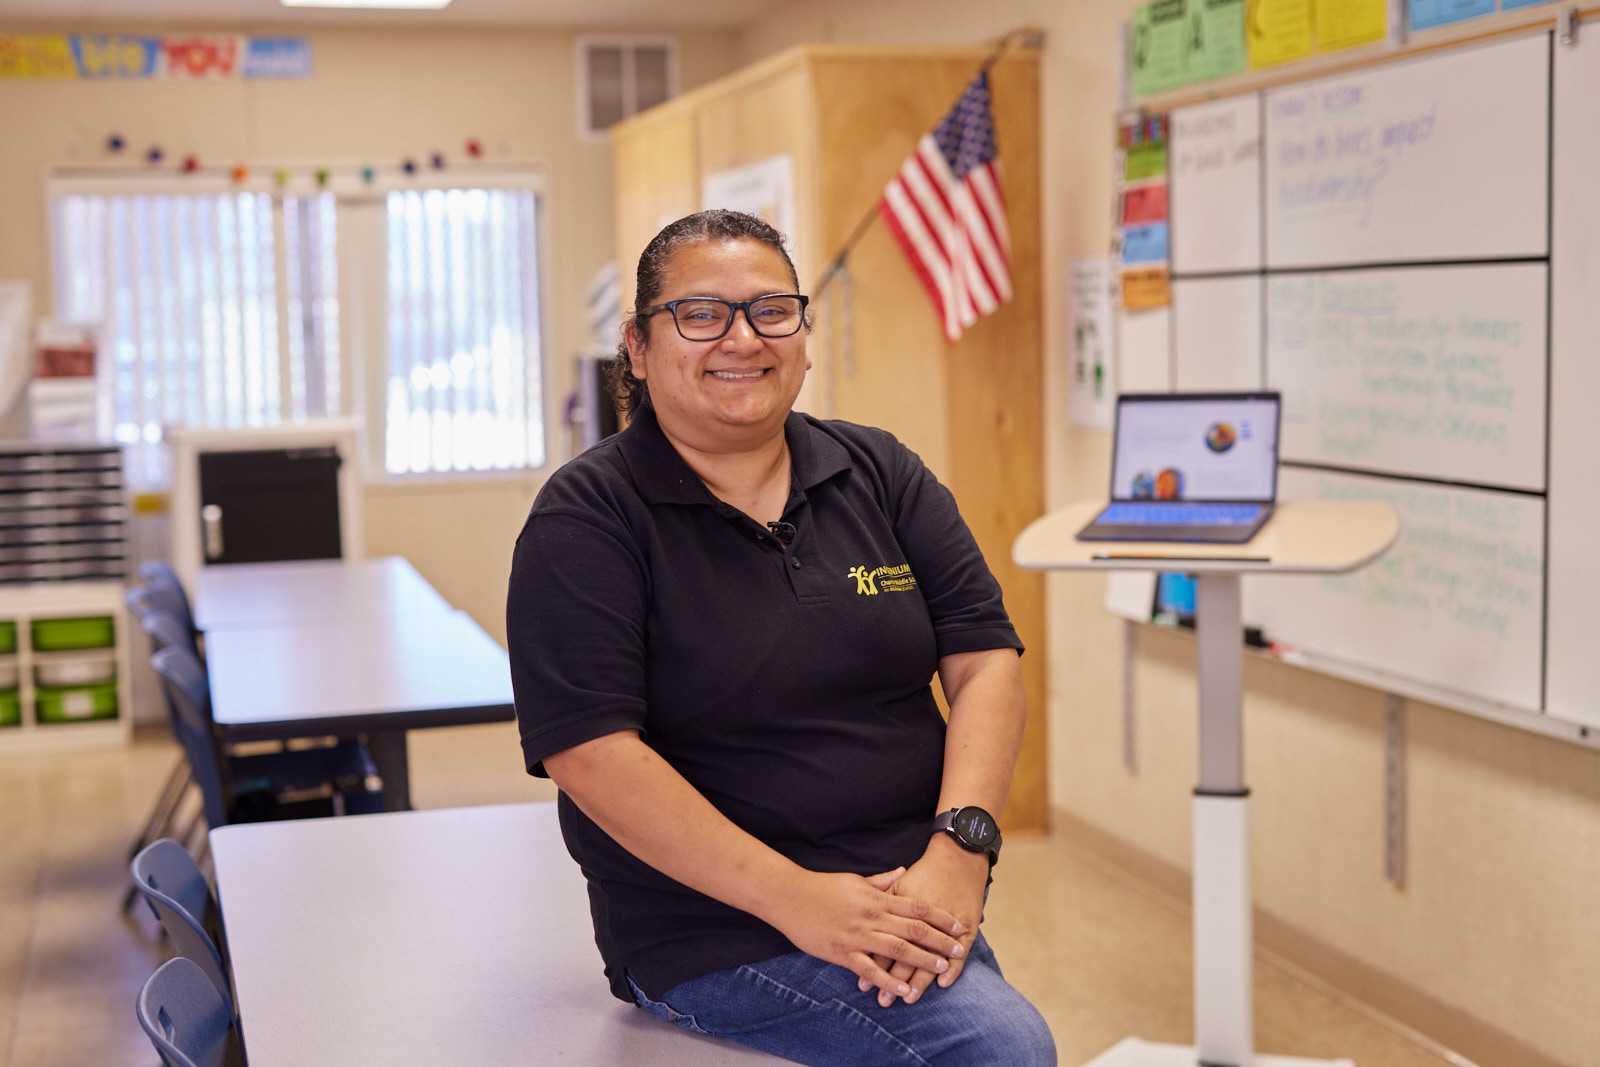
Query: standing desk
point(1303, 537)
point(456, 936)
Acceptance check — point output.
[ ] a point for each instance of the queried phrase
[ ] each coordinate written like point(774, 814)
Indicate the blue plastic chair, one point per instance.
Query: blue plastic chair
point(166, 875)
point(247, 788)
point(187, 1020)
point(159, 824)
point(166, 591)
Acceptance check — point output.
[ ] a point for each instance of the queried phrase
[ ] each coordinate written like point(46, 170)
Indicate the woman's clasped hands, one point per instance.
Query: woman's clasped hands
point(856, 922)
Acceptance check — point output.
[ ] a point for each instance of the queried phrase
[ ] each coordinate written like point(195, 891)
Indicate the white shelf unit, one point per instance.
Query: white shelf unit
point(28, 604)
point(63, 555)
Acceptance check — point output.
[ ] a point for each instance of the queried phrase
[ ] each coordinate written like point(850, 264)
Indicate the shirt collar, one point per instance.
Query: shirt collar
point(662, 477)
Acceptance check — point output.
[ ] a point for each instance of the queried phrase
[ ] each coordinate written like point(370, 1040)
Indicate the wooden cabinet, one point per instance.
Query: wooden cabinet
point(847, 117)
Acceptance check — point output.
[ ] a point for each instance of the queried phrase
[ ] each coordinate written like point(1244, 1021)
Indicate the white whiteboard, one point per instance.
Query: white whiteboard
point(1438, 157)
point(1216, 185)
point(1217, 332)
point(1144, 351)
point(1457, 603)
point(1573, 663)
point(1437, 372)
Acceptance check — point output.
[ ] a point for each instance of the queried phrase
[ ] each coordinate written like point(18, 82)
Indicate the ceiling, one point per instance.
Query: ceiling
point(653, 14)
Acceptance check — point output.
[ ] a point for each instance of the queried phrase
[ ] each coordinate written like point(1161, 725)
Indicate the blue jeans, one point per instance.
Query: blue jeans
point(798, 1007)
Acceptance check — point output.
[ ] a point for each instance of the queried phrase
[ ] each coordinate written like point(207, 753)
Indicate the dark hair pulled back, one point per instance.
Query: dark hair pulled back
point(717, 224)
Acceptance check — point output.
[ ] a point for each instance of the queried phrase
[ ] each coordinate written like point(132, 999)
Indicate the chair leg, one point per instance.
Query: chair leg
point(160, 821)
point(166, 802)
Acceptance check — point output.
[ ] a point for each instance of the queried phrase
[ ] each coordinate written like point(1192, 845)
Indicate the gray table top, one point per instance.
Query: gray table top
point(260, 594)
point(453, 936)
point(428, 665)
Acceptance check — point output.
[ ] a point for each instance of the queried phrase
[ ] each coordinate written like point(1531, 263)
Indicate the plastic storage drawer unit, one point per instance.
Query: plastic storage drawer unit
point(65, 635)
point(76, 703)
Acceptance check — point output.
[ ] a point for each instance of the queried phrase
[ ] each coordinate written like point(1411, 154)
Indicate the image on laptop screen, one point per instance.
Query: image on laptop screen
point(1205, 448)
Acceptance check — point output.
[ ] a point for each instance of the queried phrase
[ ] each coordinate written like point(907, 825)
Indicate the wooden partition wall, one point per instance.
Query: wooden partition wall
point(848, 117)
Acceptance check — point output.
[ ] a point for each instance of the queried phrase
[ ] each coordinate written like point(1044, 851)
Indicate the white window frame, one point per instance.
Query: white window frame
point(630, 102)
point(364, 310)
point(363, 291)
point(121, 181)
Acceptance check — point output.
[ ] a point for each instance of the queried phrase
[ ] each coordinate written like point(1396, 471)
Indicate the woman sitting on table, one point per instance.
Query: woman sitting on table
point(724, 622)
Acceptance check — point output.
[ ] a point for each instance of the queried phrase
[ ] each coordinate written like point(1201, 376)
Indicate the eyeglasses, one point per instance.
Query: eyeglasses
point(705, 318)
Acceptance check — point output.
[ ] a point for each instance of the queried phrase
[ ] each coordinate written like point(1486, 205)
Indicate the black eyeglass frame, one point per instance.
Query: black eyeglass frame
point(734, 307)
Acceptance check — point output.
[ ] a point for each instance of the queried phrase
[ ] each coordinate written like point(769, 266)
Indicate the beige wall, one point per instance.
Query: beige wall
point(1494, 943)
point(375, 96)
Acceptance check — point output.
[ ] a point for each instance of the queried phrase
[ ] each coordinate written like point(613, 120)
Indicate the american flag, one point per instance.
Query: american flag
point(947, 210)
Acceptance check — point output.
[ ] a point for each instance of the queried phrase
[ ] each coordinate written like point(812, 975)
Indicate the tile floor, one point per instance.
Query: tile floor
point(1102, 954)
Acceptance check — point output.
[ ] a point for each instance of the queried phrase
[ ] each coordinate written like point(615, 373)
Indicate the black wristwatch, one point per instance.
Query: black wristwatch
point(973, 828)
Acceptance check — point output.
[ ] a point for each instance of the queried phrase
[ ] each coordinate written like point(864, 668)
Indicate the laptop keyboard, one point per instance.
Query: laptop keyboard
point(1176, 514)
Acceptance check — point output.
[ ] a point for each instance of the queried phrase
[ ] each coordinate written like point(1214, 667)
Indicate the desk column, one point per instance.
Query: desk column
point(1222, 935)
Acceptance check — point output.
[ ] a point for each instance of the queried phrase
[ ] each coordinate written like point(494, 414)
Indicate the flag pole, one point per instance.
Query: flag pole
point(1033, 38)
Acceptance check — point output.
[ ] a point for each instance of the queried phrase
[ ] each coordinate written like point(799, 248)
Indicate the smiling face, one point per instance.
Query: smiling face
point(735, 392)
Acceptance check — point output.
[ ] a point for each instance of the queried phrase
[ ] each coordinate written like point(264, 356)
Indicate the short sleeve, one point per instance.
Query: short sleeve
point(575, 618)
point(963, 597)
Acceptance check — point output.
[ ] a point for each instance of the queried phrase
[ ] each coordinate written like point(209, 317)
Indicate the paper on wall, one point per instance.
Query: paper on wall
point(1091, 384)
point(764, 188)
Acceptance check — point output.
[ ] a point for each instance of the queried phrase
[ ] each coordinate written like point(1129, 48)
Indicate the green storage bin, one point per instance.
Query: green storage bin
point(10, 707)
point(75, 703)
point(65, 635)
point(8, 636)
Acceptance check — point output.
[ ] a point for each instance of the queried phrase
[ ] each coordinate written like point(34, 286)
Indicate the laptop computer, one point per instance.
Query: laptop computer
point(1197, 467)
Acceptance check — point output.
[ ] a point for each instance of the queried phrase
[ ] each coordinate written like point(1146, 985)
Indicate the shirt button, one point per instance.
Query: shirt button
point(795, 563)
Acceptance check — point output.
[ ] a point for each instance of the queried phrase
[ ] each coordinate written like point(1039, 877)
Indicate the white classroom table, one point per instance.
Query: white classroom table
point(1302, 537)
point(457, 936)
point(263, 594)
point(377, 676)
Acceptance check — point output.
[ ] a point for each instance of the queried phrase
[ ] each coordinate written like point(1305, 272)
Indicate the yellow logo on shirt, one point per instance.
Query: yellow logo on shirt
point(885, 579)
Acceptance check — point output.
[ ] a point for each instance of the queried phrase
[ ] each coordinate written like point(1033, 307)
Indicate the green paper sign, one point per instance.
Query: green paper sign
point(1145, 161)
point(1179, 42)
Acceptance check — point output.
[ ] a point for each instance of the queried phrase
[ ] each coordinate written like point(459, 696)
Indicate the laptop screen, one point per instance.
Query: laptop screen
point(1196, 447)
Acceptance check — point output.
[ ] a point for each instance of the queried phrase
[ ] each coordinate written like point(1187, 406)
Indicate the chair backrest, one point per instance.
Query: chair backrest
point(165, 629)
point(166, 590)
point(177, 893)
point(188, 1021)
point(189, 693)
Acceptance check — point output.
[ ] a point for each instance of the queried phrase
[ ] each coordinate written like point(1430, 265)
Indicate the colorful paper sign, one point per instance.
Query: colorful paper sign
point(1147, 288)
point(1347, 23)
point(1146, 243)
point(203, 57)
point(1216, 38)
point(1145, 161)
point(1160, 47)
point(1279, 31)
point(278, 57)
point(1179, 42)
point(101, 55)
point(1144, 203)
point(1425, 14)
point(36, 55)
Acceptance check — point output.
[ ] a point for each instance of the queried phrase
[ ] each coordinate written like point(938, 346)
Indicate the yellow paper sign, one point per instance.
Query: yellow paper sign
point(1278, 31)
point(36, 55)
point(1150, 287)
point(1345, 23)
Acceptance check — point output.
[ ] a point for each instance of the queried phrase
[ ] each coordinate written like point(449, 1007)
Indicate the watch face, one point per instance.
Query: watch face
point(975, 827)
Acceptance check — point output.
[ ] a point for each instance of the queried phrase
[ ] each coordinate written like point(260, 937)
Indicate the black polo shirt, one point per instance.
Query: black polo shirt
point(789, 684)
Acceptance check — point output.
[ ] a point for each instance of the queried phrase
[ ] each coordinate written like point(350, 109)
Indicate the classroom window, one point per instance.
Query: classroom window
point(463, 391)
point(413, 304)
point(206, 317)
